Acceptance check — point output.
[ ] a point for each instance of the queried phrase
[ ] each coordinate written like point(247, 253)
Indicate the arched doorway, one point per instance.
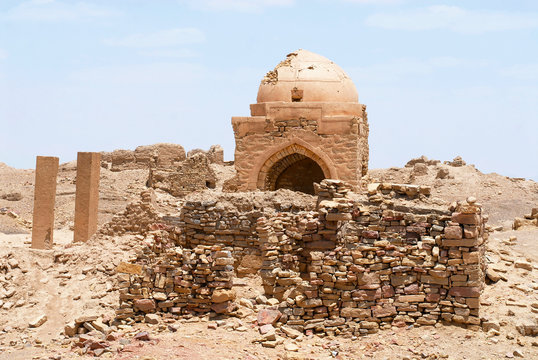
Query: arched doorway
point(295, 168)
point(295, 172)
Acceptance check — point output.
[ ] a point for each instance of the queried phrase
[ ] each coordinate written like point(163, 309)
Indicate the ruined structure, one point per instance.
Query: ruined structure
point(307, 125)
point(347, 263)
point(192, 174)
point(351, 266)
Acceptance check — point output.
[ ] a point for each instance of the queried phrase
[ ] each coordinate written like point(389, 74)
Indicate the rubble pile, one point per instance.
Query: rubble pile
point(385, 192)
point(528, 220)
point(136, 218)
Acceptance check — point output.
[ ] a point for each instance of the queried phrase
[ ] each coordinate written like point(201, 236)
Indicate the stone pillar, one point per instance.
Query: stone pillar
point(46, 172)
point(87, 195)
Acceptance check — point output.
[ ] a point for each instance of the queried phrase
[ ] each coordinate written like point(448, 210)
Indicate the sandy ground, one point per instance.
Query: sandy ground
point(73, 280)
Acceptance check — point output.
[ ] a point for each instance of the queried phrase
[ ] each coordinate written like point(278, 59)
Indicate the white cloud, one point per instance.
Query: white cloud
point(53, 10)
point(237, 5)
point(522, 72)
point(453, 18)
point(163, 38)
point(3, 54)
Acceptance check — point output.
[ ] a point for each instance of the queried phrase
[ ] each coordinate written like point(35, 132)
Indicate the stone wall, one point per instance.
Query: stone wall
point(352, 266)
point(178, 281)
point(139, 217)
point(355, 269)
point(143, 157)
point(192, 174)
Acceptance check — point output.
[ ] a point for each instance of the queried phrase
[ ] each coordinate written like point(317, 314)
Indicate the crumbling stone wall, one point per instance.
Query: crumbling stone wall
point(139, 217)
point(143, 157)
point(352, 266)
point(211, 222)
point(190, 175)
point(176, 280)
point(369, 267)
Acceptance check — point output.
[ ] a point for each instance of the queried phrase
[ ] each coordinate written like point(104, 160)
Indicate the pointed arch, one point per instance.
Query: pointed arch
point(257, 179)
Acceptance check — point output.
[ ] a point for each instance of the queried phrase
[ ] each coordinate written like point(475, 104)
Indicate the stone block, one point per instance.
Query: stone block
point(268, 316)
point(222, 295)
point(462, 243)
point(338, 217)
point(384, 311)
point(145, 305)
point(355, 313)
point(471, 257)
point(44, 198)
point(411, 298)
point(453, 233)
point(463, 291)
point(468, 219)
point(127, 268)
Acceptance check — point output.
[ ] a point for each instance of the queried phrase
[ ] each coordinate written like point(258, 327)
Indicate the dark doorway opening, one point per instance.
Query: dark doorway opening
point(295, 172)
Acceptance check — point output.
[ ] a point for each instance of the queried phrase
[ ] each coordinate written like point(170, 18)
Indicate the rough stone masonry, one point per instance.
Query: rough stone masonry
point(348, 267)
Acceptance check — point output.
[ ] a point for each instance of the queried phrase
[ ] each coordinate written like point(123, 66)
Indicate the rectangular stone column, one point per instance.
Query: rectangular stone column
point(46, 172)
point(87, 195)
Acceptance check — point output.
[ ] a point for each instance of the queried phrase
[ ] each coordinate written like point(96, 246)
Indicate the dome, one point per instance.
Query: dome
point(308, 77)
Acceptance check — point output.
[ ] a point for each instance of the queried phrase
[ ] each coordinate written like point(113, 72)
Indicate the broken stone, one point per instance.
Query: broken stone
point(70, 329)
point(152, 319)
point(268, 316)
point(38, 321)
point(523, 265)
point(264, 329)
point(492, 275)
point(222, 295)
point(289, 346)
point(142, 336)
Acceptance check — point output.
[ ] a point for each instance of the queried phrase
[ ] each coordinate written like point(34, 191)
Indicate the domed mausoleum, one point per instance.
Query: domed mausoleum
point(307, 125)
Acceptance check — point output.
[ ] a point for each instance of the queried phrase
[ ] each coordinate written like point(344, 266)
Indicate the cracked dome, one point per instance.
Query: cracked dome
point(307, 77)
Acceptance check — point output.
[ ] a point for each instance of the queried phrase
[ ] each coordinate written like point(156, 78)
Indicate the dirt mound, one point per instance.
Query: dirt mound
point(503, 198)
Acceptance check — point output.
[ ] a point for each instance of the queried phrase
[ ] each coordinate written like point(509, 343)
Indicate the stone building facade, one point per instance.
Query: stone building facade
point(307, 125)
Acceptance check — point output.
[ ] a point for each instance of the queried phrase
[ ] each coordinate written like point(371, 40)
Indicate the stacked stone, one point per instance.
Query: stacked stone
point(464, 258)
point(136, 218)
point(349, 267)
point(368, 268)
point(379, 192)
point(179, 281)
point(280, 246)
point(192, 174)
point(208, 223)
point(329, 189)
point(282, 126)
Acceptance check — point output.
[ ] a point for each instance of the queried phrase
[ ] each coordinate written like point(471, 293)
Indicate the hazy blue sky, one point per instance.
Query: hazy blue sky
point(440, 78)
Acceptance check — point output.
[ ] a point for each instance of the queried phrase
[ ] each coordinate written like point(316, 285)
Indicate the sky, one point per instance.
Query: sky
point(439, 78)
